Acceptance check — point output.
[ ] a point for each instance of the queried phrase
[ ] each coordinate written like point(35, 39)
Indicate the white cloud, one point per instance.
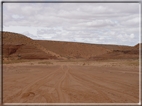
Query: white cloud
point(80, 22)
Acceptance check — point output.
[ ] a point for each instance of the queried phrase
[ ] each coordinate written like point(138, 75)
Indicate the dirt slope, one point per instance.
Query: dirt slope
point(115, 47)
point(19, 46)
point(74, 50)
point(119, 52)
point(137, 46)
point(91, 51)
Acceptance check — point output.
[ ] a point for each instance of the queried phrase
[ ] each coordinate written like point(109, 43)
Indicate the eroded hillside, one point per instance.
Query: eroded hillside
point(18, 46)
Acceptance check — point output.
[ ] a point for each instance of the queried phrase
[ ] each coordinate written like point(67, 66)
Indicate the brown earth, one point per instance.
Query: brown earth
point(74, 50)
point(50, 81)
point(36, 71)
point(17, 46)
point(138, 45)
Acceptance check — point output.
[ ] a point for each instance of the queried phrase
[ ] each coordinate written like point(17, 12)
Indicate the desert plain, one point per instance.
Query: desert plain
point(37, 71)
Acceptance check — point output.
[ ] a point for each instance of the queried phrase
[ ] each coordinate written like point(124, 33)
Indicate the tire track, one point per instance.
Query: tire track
point(98, 87)
point(27, 90)
point(58, 86)
point(91, 85)
point(66, 84)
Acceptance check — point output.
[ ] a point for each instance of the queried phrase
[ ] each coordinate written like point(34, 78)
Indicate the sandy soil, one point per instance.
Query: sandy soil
point(71, 82)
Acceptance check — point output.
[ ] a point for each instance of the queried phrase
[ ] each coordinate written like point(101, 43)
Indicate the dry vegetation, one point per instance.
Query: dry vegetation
point(45, 62)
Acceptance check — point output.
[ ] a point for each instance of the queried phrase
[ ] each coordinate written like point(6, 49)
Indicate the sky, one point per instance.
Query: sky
point(97, 23)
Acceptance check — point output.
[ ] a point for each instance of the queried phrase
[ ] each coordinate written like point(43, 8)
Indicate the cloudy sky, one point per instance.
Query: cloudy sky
point(98, 23)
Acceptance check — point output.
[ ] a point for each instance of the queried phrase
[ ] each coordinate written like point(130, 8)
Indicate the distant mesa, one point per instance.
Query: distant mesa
point(18, 46)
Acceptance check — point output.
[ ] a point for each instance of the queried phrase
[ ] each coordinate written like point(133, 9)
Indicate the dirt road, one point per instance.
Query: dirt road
point(65, 83)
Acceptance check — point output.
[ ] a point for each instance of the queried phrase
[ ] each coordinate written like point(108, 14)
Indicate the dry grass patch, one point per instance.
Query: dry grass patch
point(14, 61)
point(45, 62)
point(133, 62)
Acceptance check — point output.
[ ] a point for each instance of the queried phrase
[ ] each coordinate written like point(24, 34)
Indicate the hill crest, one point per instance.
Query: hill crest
point(15, 45)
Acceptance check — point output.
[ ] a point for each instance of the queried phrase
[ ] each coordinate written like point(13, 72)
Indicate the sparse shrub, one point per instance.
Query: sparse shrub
point(19, 56)
point(31, 63)
point(45, 62)
point(83, 64)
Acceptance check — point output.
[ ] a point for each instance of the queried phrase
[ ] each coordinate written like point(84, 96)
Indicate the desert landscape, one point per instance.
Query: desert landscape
point(43, 71)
